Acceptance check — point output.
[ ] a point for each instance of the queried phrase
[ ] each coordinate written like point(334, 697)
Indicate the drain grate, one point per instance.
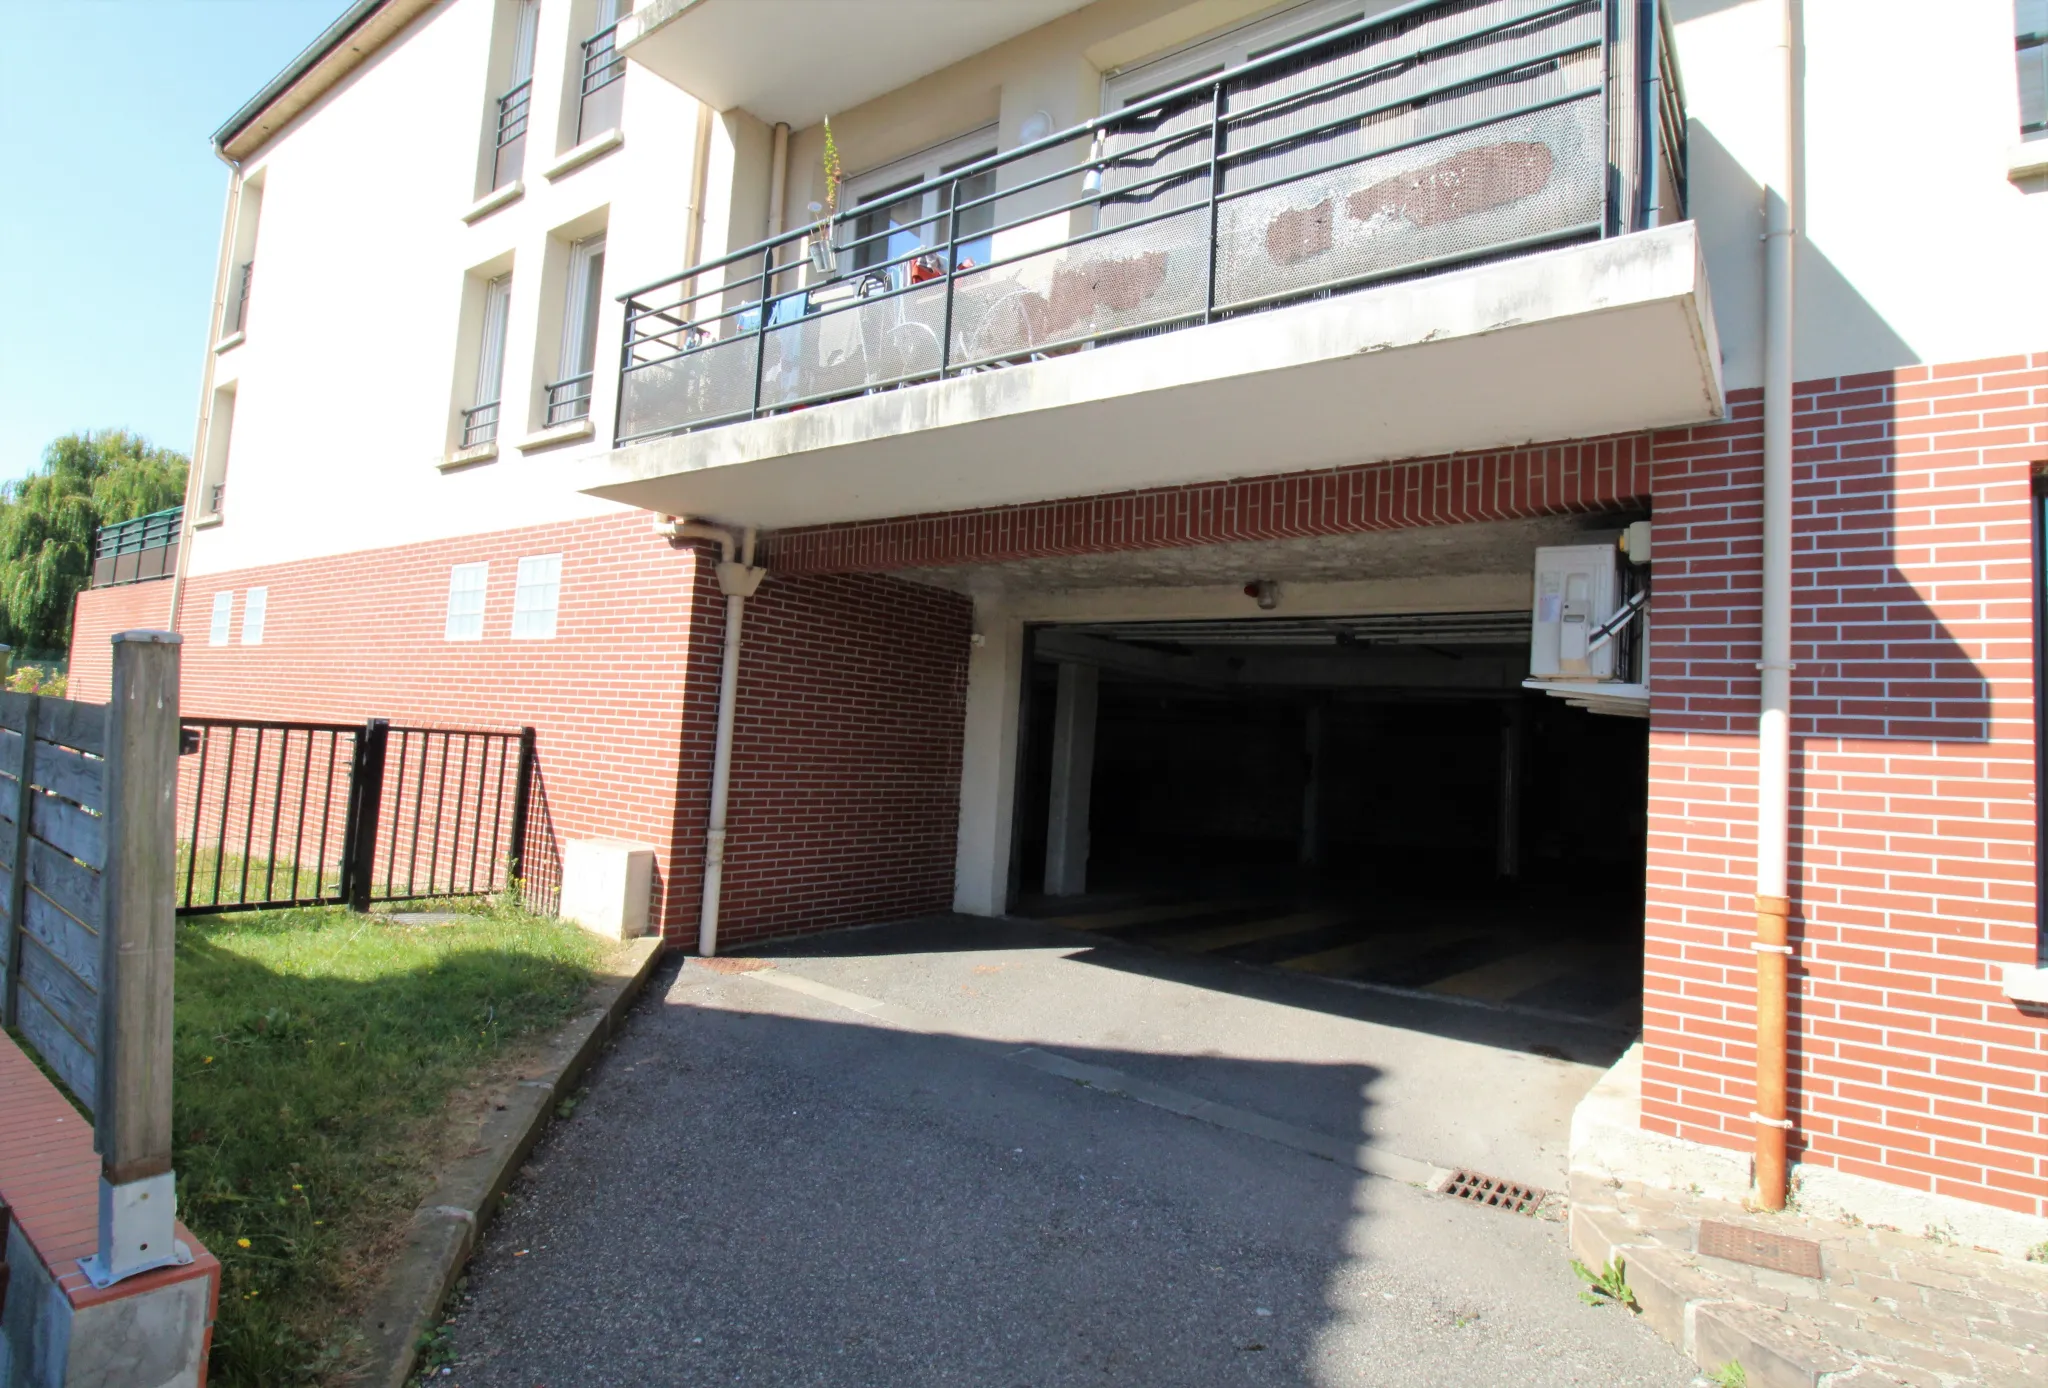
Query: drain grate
point(1511, 1196)
point(731, 964)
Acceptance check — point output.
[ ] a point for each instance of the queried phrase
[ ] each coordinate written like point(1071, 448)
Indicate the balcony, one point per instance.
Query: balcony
point(136, 550)
point(1458, 227)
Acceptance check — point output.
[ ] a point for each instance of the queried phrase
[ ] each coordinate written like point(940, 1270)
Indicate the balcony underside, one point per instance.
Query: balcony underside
point(800, 60)
point(1593, 339)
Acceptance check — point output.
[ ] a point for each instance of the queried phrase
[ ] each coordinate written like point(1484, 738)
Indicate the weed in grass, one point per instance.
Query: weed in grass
point(1607, 1287)
point(1730, 1375)
point(316, 1053)
point(2038, 1253)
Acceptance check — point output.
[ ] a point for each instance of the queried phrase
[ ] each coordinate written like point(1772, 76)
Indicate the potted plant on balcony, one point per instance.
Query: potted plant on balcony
point(822, 252)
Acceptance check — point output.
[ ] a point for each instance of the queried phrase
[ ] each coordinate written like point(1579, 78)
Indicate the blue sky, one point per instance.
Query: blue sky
point(110, 223)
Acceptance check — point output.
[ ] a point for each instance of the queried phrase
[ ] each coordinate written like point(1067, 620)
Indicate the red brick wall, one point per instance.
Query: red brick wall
point(1913, 816)
point(1594, 475)
point(845, 794)
point(846, 756)
point(95, 617)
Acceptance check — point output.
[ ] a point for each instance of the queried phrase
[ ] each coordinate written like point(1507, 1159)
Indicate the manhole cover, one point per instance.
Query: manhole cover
point(724, 964)
point(1778, 1252)
point(1511, 1196)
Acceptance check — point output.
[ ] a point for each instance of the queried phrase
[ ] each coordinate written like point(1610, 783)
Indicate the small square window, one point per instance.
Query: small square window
point(255, 605)
point(223, 619)
point(535, 597)
point(466, 585)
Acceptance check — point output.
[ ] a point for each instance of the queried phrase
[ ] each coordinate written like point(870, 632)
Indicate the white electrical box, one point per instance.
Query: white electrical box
point(1577, 589)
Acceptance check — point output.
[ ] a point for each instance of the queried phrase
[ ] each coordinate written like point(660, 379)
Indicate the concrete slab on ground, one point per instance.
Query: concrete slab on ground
point(861, 1180)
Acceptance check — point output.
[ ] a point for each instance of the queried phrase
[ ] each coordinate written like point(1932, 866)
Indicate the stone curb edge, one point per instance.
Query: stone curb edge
point(445, 1228)
point(1700, 1319)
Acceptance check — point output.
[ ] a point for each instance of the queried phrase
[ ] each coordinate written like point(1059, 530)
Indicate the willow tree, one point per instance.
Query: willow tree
point(47, 520)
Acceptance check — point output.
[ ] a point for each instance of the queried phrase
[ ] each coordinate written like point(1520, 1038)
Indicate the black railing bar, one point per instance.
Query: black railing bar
point(220, 852)
point(327, 806)
point(419, 807)
point(497, 809)
point(1334, 87)
point(249, 819)
point(1217, 134)
point(221, 908)
point(200, 721)
point(1610, 47)
point(198, 817)
point(461, 795)
point(1089, 127)
point(1553, 59)
point(440, 799)
point(473, 732)
point(1669, 47)
point(276, 811)
point(299, 820)
point(1420, 267)
point(1420, 140)
point(397, 789)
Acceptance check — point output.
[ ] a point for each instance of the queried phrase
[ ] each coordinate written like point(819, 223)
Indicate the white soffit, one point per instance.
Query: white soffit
point(801, 60)
point(1602, 338)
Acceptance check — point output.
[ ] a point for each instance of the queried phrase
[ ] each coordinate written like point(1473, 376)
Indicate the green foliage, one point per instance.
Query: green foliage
point(1608, 1287)
point(34, 679)
point(1730, 1375)
point(833, 175)
point(315, 1055)
point(2038, 1253)
point(47, 521)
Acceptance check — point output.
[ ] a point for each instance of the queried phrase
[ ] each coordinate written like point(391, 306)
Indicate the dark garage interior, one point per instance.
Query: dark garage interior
point(1375, 799)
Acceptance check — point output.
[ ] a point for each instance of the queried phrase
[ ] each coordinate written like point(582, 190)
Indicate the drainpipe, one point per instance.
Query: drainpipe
point(737, 579)
point(195, 471)
point(700, 185)
point(778, 179)
point(1774, 732)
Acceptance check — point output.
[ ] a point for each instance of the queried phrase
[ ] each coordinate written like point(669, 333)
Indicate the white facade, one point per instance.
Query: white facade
point(333, 406)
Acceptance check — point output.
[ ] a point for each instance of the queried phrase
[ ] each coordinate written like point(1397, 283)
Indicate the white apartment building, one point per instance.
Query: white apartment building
point(1134, 457)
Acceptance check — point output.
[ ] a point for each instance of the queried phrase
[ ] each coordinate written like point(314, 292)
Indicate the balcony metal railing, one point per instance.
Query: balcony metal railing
point(569, 400)
point(1446, 132)
point(603, 66)
point(479, 424)
point(134, 550)
point(510, 158)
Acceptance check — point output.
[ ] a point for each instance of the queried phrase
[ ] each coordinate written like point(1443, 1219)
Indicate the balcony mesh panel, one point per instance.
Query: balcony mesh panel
point(716, 382)
point(1154, 273)
point(1514, 177)
point(850, 345)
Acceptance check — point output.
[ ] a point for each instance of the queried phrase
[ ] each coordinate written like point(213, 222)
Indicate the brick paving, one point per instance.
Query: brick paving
point(1891, 1307)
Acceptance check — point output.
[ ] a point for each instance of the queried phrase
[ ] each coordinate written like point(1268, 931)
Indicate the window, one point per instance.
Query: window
point(223, 619)
point(534, 599)
point(480, 420)
point(466, 585)
point(242, 271)
point(602, 69)
point(508, 158)
point(569, 396)
point(220, 431)
point(2031, 21)
point(255, 605)
point(1139, 81)
point(889, 225)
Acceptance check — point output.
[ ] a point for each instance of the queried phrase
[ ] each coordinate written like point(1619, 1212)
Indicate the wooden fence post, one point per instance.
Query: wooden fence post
point(17, 862)
point(132, 1114)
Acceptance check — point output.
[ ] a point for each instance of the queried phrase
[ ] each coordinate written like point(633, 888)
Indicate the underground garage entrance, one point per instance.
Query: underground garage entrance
point(1370, 798)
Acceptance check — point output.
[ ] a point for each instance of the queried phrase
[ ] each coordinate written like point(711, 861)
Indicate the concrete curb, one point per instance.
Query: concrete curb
point(445, 1228)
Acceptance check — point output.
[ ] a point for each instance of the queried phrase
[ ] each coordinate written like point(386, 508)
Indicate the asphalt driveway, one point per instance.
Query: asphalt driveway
point(980, 1153)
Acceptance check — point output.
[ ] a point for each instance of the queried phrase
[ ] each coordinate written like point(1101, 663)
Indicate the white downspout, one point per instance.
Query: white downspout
point(1774, 719)
point(737, 580)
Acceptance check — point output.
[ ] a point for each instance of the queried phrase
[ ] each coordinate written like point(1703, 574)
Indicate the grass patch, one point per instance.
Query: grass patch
point(319, 1056)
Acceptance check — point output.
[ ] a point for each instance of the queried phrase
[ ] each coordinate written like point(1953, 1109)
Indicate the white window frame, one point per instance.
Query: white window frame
point(463, 624)
point(222, 628)
point(876, 184)
point(255, 611)
point(490, 361)
point(539, 575)
point(582, 301)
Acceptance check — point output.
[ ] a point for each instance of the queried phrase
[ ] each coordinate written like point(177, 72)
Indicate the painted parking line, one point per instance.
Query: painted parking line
point(1380, 949)
point(1498, 980)
point(1245, 932)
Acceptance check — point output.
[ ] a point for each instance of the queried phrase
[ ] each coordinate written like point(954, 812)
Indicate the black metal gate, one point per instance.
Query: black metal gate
point(275, 814)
